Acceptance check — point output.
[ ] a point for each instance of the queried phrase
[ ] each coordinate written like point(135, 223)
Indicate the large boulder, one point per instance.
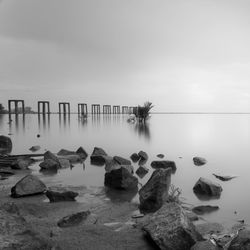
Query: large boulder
point(49, 164)
point(164, 164)
point(241, 241)
point(199, 161)
point(171, 229)
point(5, 144)
point(15, 233)
point(135, 157)
point(98, 156)
point(155, 192)
point(120, 178)
point(61, 196)
point(122, 161)
point(28, 185)
point(22, 163)
point(208, 188)
point(82, 153)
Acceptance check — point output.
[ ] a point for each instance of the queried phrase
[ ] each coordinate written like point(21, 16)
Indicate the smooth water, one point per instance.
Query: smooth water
point(224, 140)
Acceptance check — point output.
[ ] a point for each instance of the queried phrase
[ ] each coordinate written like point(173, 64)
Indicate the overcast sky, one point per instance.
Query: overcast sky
point(182, 55)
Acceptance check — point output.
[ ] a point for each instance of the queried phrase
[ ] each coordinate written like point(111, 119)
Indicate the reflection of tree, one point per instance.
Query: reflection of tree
point(142, 129)
point(2, 109)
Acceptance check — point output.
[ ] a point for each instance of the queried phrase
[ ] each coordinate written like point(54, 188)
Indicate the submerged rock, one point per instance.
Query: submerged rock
point(155, 192)
point(206, 187)
point(135, 157)
point(35, 148)
point(143, 155)
point(122, 161)
point(49, 164)
point(28, 185)
point(242, 241)
point(142, 171)
point(5, 144)
point(204, 245)
point(224, 177)
point(171, 229)
point(82, 153)
point(22, 163)
point(50, 156)
point(120, 178)
point(164, 164)
point(64, 152)
point(200, 210)
point(199, 161)
point(64, 163)
point(61, 196)
point(98, 156)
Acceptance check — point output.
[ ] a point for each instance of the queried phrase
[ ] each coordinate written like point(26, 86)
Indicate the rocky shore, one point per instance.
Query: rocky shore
point(38, 214)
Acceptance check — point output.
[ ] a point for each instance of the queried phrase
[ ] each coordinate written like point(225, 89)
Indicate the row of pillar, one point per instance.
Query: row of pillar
point(64, 107)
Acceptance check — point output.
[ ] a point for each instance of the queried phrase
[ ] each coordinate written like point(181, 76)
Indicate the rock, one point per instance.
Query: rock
point(51, 156)
point(170, 228)
point(224, 177)
point(143, 155)
point(192, 216)
point(34, 148)
point(121, 160)
point(164, 164)
point(28, 185)
point(120, 179)
point(142, 162)
point(208, 228)
point(199, 161)
point(142, 171)
point(72, 158)
point(200, 210)
point(241, 241)
point(204, 245)
point(22, 163)
point(74, 219)
point(15, 233)
point(155, 192)
point(160, 156)
point(4, 172)
point(49, 164)
point(64, 163)
point(110, 164)
point(98, 156)
point(5, 144)
point(135, 157)
point(65, 152)
point(61, 196)
point(82, 153)
point(206, 187)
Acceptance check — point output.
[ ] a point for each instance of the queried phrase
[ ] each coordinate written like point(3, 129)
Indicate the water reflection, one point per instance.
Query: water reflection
point(116, 119)
point(64, 119)
point(120, 195)
point(82, 120)
point(96, 119)
point(44, 120)
point(142, 129)
point(107, 119)
point(19, 121)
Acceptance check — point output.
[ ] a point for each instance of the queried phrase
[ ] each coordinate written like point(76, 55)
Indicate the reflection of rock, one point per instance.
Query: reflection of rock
point(61, 196)
point(120, 195)
point(29, 185)
point(206, 187)
point(199, 161)
point(76, 219)
point(5, 144)
point(22, 163)
point(170, 228)
point(242, 241)
point(142, 171)
point(155, 192)
point(120, 179)
point(135, 157)
point(164, 164)
point(98, 156)
point(122, 161)
point(204, 209)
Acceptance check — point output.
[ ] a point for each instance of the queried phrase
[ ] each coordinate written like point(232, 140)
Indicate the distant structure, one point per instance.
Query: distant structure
point(16, 110)
point(44, 104)
point(131, 110)
point(106, 109)
point(96, 109)
point(64, 105)
point(116, 109)
point(124, 109)
point(82, 109)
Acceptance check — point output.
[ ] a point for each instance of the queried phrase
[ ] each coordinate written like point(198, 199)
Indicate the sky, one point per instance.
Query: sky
point(183, 56)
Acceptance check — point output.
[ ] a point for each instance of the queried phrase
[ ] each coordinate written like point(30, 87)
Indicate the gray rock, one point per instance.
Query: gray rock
point(143, 155)
point(200, 210)
point(22, 163)
point(242, 241)
point(5, 144)
point(192, 216)
point(142, 171)
point(135, 157)
point(35, 148)
point(110, 164)
point(49, 164)
point(160, 156)
point(64, 152)
point(164, 164)
point(206, 187)
point(98, 156)
point(204, 245)
point(224, 177)
point(199, 161)
point(122, 161)
point(155, 192)
point(50, 156)
point(28, 185)
point(64, 163)
point(171, 229)
point(82, 153)
point(208, 228)
point(61, 196)
point(72, 158)
point(120, 178)
point(76, 219)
